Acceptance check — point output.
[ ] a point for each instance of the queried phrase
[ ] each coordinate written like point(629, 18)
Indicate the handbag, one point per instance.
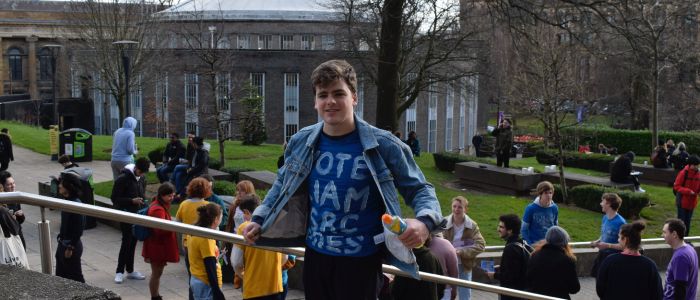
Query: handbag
point(12, 252)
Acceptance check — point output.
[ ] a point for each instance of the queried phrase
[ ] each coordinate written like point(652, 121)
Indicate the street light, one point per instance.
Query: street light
point(212, 29)
point(53, 48)
point(125, 62)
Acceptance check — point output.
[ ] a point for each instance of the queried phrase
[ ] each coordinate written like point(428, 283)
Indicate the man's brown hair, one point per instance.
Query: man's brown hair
point(613, 199)
point(333, 70)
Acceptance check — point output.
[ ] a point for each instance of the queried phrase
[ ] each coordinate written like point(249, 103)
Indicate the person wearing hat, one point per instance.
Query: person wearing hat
point(552, 268)
point(686, 188)
point(621, 169)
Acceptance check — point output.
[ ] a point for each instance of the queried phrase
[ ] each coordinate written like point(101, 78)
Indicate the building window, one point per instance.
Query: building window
point(257, 80)
point(327, 42)
point(449, 116)
point(462, 121)
point(291, 104)
point(15, 57)
point(432, 118)
point(223, 91)
point(411, 110)
point(359, 109)
point(223, 43)
point(74, 82)
point(191, 91)
point(98, 103)
point(264, 42)
point(136, 95)
point(363, 45)
point(161, 95)
point(113, 114)
point(472, 85)
point(191, 127)
point(45, 70)
point(287, 42)
point(307, 42)
point(243, 41)
point(172, 40)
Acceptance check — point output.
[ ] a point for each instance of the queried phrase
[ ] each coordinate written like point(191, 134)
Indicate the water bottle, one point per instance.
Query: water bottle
point(394, 224)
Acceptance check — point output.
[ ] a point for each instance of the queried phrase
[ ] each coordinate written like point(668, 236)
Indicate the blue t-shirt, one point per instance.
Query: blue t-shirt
point(610, 229)
point(345, 208)
point(537, 220)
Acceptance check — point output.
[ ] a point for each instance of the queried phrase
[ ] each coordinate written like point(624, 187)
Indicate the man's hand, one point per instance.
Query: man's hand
point(137, 201)
point(19, 213)
point(68, 253)
point(251, 232)
point(415, 235)
point(490, 274)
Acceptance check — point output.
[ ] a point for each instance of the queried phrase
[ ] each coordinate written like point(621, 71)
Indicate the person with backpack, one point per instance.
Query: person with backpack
point(686, 187)
point(551, 270)
point(659, 158)
point(128, 195)
point(516, 254)
point(5, 149)
point(160, 247)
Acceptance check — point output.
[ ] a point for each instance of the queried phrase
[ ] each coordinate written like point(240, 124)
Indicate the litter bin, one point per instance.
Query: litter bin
point(77, 143)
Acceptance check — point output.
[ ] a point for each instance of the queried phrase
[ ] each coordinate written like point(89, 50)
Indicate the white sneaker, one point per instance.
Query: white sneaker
point(135, 275)
point(641, 190)
point(119, 278)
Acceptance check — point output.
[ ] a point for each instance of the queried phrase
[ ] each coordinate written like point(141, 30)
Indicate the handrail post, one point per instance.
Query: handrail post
point(45, 244)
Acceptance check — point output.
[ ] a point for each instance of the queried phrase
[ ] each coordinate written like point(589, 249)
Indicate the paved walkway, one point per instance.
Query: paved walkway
point(102, 243)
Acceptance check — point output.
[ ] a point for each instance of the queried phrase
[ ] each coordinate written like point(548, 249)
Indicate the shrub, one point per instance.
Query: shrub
point(446, 161)
point(558, 196)
point(234, 171)
point(214, 163)
point(156, 155)
point(588, 197)
point(593, 161)
point(223, 187)
point(638, 141)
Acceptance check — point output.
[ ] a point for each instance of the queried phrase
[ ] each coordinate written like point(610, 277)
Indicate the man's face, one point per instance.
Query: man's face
point(189, 138)
point(334, 103)
point(173, 138)
point(667, 235)
point(502, 231)
point(458, 208)
point(604, 205)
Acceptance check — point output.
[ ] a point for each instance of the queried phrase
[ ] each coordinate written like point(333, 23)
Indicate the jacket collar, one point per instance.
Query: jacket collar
point(468, 223)
point(364, 129)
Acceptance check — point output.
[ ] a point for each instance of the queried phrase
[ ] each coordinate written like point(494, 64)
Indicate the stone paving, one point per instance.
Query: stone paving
point(102, 243)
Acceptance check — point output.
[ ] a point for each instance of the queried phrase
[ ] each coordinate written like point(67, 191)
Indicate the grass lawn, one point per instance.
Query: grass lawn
point(583, 225)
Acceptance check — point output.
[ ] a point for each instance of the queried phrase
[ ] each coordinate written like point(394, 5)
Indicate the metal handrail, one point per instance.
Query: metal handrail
point(132, 218)
point(588, 244)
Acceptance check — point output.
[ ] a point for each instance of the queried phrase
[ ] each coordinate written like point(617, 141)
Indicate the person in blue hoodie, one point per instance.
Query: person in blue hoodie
point(540, 215)
point(123, 146)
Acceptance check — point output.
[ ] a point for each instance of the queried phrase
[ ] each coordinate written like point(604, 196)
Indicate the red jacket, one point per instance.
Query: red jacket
point(161, 246)
point(691, 185)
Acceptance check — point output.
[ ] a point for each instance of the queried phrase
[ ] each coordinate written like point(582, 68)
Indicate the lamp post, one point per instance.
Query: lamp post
point(212, 29)
point(53, 48)
point(126, 64)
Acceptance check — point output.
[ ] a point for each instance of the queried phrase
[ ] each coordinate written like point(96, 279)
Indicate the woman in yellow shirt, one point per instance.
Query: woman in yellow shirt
point(205, 281)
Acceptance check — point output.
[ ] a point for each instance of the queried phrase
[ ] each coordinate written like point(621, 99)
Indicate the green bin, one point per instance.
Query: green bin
point(77, 143)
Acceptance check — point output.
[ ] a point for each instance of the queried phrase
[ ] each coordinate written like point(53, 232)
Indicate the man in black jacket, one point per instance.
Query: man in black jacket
point(128, 195)
point(622, 169)
point(516, 254)
point(199, 164)
point(5, 149)
point(174, 151)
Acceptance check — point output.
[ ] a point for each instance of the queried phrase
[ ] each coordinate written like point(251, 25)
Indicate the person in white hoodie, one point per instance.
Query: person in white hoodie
point(123, 146)
point(540, 215)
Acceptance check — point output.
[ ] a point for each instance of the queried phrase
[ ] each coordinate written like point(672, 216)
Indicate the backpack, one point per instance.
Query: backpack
point(141, 232)
point(685, 178)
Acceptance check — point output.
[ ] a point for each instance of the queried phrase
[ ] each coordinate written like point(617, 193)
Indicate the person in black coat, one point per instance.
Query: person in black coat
point(15, 209)
point(679, 157)
point(406, 288)
point(661, 158)
point(5, 149)
point(516, 254)
point(621, 169)
point(504, 143)
point(552, 268)
point(70, 248)
point(65, 161)
point(174, 151)
point(477, 140)
point(128, 194)
point(199, 164)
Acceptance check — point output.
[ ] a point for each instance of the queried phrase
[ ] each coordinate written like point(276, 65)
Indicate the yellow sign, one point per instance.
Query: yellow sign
point(53, 139)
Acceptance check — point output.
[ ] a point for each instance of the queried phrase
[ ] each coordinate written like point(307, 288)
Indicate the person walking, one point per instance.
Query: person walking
point(123, 146)
point(160, 248)
point(516, 254)
point(504, 143)
point(682, 270)
point(198, 190)
point(128, 195)
point(467, 240)
point(686, 187)
point(6, 154)
point(608, 242)
point(203, 254)
point(551, 270)
point(329, 168)
point(70, 248)
point(174, 151)
point(540, 215)
point(629, 275)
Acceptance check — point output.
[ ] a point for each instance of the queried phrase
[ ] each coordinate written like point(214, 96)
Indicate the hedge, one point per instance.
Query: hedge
point(234, 171)
point(593, 161)
point(214, 163)
point(445, 161)
point(638, 141)
point(589, 197)
point(223, 187)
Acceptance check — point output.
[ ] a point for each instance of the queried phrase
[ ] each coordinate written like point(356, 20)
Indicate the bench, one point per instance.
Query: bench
point(573, 180)
point(220, 175)
point(262, 180)
point(656, 176)
point(496, 179)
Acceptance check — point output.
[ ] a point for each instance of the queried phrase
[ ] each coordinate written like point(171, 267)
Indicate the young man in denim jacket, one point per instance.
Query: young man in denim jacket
point(344, 173)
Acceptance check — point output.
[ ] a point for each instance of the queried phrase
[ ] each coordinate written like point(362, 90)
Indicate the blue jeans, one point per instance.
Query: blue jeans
point(685, 215)
point(200, 290)
point(163, 172)
point(464, 293)
point(178, 178)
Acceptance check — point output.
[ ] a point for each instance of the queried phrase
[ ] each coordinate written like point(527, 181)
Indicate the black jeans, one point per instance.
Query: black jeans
point(4, 164)
point(503, 158)
point(341, 277)
point(69, 267)
point(127, 249)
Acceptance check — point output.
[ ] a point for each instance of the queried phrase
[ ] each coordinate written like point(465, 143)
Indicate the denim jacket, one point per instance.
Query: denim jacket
point(283, 215)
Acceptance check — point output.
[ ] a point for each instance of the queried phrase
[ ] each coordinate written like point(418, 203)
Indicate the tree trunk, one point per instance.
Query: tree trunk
point(655, 105)
point(560, 161)
point(387, 65)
